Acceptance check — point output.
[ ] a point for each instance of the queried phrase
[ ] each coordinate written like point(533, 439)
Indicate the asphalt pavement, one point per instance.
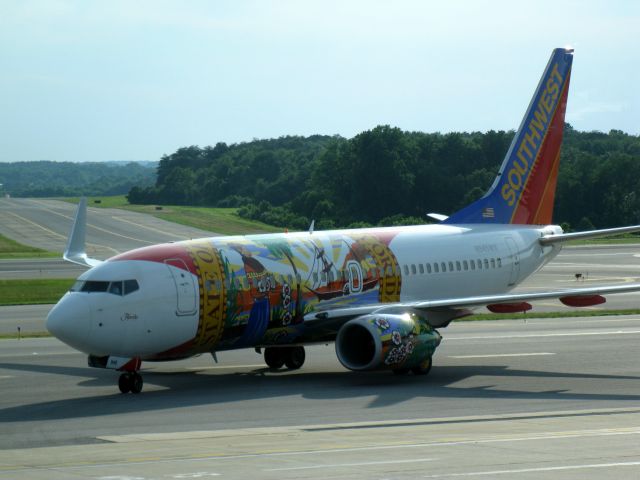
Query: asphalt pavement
point(554, 398)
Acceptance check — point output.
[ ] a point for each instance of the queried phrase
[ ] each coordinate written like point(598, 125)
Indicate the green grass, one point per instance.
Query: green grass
point(12, 249)
point(619, 240)
point(220, 220)
point(31, 292)
point(16, 336)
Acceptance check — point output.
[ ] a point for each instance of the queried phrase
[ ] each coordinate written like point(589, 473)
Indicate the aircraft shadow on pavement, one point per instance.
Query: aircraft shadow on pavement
point(182, 389)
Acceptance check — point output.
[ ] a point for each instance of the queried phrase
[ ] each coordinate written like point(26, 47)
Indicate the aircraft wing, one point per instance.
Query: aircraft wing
point(463, 304)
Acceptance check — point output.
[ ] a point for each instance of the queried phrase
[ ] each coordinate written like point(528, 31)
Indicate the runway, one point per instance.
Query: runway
point(46, 224)
point(551, 398)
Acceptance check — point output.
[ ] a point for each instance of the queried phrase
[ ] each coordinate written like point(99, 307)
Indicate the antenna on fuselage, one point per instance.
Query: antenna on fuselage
point(313, 224)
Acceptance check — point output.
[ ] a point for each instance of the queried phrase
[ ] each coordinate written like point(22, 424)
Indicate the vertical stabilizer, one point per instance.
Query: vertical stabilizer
point(524, 190)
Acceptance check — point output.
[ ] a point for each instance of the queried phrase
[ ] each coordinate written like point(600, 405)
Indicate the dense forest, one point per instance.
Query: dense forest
point(58, 179)
point(388, 176)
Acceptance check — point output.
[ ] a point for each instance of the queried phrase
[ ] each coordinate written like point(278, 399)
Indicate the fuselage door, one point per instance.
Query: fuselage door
point(185, 286)
point(355, 276)
point(515, 260)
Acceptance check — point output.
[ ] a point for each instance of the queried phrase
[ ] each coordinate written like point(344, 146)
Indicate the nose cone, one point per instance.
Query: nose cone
point(70, 321)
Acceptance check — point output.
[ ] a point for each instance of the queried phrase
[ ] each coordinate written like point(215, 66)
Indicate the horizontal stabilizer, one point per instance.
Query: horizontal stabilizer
point(75, 251)
point(607, 232)
point(438, 216)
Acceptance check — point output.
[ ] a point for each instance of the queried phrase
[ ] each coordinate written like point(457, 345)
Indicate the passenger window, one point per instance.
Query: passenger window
point(406, 270)
point(486, 263)
point(473, 264)
point(130, 286)
point(421, 269)
point(493, 263)
point(465, 265)
point(458, 267)
point(115, 288)
point(499, 262)
point(443, 266)
point(479, 264)
point(428, 268)
point(413, 269)
point(451, 266)
point(435, 267)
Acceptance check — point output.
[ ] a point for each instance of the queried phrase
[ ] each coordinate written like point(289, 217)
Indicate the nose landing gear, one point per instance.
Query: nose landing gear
point(130, 382)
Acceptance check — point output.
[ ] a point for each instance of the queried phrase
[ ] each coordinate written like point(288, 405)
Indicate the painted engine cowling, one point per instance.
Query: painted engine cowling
point(386, 341)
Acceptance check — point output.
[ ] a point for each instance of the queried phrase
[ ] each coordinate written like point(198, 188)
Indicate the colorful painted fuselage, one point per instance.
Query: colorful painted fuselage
point(231, 292)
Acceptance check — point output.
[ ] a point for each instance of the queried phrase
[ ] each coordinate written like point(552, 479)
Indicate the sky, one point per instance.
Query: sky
point(134, 80)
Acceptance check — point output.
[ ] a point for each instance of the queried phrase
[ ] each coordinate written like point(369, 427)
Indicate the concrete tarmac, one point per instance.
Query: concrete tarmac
point(551, 398)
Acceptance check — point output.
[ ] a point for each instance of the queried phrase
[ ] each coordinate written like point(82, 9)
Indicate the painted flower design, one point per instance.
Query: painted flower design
point(409, 348)
point(396, 338)
point(396, 355)
point(382, 324)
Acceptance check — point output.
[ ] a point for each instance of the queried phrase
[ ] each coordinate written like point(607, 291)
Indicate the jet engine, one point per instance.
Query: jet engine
point(400, 342)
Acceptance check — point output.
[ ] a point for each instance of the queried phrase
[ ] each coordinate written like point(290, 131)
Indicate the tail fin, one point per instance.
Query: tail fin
point(524, 190)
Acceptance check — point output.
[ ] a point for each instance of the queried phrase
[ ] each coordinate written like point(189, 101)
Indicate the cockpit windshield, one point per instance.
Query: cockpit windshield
point(118, 287)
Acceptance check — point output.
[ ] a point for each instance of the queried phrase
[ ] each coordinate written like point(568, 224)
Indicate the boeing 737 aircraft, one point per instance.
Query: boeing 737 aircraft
point(378, 293)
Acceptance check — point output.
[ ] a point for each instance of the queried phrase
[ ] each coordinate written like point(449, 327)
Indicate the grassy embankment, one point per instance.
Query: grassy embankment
point(23, 292)
point(220, 220)
point(33, 291)
point(12, 249)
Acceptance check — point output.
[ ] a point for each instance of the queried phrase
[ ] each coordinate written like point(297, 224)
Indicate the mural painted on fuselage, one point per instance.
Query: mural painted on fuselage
point(256, 290)
point(269, 283)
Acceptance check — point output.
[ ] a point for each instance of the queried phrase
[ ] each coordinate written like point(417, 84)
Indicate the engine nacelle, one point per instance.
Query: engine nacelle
point(386, 340)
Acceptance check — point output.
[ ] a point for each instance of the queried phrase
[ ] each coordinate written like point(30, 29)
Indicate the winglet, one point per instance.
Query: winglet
point(74, 252)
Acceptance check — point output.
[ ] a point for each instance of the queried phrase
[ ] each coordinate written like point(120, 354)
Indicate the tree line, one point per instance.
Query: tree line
point(66, 179)
point(387, 176)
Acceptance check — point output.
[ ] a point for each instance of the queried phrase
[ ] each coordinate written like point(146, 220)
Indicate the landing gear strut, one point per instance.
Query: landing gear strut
point(292, 357)
point(130, 382)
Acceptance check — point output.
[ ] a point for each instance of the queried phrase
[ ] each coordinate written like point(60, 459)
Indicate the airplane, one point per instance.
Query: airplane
point(380, 294)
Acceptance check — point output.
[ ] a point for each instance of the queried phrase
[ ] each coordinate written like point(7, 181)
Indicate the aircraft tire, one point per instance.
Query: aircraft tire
point(424, 367)
point(136, 383)
point(274, 357)
point(124, 383)
point(295, 357)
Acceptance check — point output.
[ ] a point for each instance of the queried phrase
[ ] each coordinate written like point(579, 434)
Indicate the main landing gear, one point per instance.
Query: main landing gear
point(130, 382)
point(292, 357)
point(423, 368)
